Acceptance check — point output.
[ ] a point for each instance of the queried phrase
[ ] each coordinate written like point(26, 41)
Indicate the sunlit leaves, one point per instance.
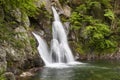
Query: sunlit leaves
point(109, 13)
point(75, 20)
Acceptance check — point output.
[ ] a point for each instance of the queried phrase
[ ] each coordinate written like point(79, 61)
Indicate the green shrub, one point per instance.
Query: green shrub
point(95, 34)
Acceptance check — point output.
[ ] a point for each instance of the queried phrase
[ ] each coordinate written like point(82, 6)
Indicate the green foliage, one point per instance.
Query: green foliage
point(75, 21)
point(79, 48)
point(97, 38)
point(7, 25)
point(94, 34)
point(33, 43)
point(27, 6)
point(2, 70)
point(106, 3)
point(2, 77)
point(109, 13)
point(64, 1)
point(7, 34)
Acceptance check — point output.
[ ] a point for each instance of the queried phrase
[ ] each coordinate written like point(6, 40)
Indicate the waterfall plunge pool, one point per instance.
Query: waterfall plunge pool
point(57, 60)
point(92, 70)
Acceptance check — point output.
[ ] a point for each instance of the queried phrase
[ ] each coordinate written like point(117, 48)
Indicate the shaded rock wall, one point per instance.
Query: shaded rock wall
point(18, 48)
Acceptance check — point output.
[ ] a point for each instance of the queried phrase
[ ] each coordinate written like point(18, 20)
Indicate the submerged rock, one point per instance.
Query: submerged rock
point(25, 74)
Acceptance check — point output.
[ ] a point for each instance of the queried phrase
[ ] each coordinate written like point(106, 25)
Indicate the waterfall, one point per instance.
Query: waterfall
point(60, 52)
point(60, 48)
point(43, 49)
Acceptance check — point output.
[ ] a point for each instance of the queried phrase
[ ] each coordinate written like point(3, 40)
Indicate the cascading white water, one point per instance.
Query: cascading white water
point(43, 50)
point(59, 53)
point(60, 49)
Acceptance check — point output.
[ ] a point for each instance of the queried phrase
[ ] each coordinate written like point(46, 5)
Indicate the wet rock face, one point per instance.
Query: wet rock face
point(67, 27)
point(19, 53)
point(22, 56)
point(57, 4)
point(3, 63)
point(67, 10)
point(46, 3)
point(62, 9)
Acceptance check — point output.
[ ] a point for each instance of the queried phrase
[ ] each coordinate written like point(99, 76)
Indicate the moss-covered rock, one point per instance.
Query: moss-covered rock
point(18, 50)
point(9, 76)
point(3, 63)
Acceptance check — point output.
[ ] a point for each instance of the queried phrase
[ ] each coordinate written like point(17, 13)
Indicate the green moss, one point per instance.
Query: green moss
point(5, 33)
point(1, 74)
point(8, 34)
point(9, 63)
point(2, 77)
point(33, 44)
point(27, 6)
point(64, 1)
point(19, 44)
point(79, 48)
point(64, 19)
point(44, 14)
